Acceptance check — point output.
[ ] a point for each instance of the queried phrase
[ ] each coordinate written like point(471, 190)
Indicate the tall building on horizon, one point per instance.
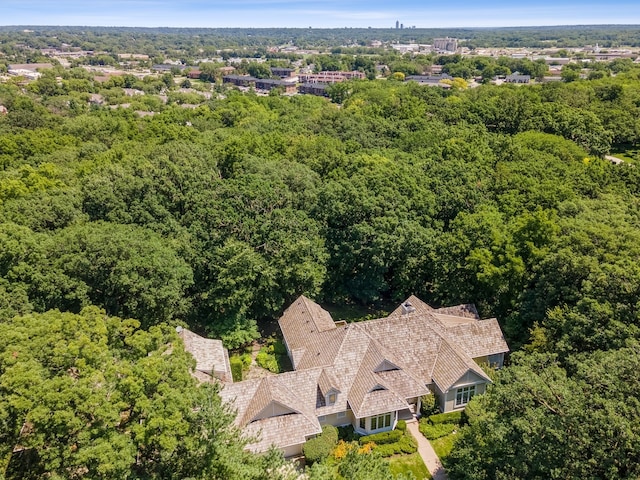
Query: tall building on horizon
point(397, 24)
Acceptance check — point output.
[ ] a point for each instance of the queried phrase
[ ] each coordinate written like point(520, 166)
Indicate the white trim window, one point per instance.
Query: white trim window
point(381, 421)
point(464, 394)
point(341, 414)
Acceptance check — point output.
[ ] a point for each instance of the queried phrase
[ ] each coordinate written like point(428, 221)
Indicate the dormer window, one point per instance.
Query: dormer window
point(331, 398)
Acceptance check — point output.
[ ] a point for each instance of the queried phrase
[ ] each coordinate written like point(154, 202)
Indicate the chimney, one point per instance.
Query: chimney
point(407, 308)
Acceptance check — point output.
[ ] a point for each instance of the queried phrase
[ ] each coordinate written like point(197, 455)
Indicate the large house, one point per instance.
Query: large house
point(368, 374)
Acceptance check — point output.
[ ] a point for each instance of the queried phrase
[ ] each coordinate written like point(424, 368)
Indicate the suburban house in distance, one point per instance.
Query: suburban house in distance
point(368, 374)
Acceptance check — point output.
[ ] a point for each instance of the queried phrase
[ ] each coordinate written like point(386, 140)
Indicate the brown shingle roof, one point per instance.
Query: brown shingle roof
point(374, 366)
point(210, 355)
point(451, 365)
point(327, 382)
point(480, 338)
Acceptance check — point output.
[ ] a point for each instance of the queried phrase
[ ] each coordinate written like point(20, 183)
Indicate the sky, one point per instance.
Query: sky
point(318, 13)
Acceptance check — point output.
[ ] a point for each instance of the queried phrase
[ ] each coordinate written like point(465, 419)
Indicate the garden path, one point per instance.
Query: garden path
point(427, 453)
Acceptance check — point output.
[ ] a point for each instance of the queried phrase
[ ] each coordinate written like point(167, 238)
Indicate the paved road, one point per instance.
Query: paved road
point(427, 453)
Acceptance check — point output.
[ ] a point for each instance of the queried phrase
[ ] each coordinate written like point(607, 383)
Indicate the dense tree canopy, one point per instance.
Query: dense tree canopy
point(218, 216)
point(92, 396)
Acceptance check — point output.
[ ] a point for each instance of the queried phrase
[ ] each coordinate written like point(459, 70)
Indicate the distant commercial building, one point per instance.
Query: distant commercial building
point(429, 79)
point(445, 44)
point(283, 72)
point(397, 24)
point(406, 47)
point(319, 89)
point(329, 77)
point(259, 83)
point(517, 78)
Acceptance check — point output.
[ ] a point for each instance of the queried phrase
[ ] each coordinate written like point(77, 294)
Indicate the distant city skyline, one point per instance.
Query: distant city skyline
point(317, 13)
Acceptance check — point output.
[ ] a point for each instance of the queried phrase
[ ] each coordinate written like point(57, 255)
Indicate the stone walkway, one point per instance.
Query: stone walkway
point(427, 453)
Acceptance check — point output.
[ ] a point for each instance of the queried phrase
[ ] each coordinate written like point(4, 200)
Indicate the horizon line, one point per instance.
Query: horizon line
point(331, 28)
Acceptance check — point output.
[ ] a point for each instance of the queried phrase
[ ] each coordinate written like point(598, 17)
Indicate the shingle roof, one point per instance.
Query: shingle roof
point(300, 325)
point(464, 311)
point(451, 365)
point(374, 366)
point(210, 355)
point(291, 394)
point(480, 338)
point(327, 382)
point(281, 431)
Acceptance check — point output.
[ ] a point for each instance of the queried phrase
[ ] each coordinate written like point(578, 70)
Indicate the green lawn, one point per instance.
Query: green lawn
point(409, 463)
point(443, 446)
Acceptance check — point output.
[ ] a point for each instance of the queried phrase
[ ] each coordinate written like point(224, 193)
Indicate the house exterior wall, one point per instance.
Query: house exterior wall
point(448, 400)
point(367, 430)
point(292, 450)
point(337, 421)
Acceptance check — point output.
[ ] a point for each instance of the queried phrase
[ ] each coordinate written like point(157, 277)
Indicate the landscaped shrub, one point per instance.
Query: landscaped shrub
point(451, 417)
point(278, 347)
point(267, 360)
point(316, 450)
point(406, 444)
point(401, 425)
point(429, 405)
point(330, 433)
point(246, 360)
point(319, 448)
point(431, 431)
point(348, 434)
point(236, 368)
point(387, 450)
point(382, 438)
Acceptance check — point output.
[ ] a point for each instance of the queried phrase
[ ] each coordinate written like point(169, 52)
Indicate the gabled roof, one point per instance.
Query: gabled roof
point(328, 382)
point(374, 366)
point(300, 324)
point(451, 365)
point(210, 355)
point(290, 395)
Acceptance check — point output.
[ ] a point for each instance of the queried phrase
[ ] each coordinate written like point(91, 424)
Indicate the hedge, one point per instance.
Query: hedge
point(451, 417)
point(330, 433)
point(406, 444)
point(438, 430)
point(383, 438)
point(401, 425)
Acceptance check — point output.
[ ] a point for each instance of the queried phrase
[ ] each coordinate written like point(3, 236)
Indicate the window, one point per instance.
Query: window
point(332, 398)
point(362, 424)
point(464, 394)
point(381, 421)
point(342, 414)
point(322, 418)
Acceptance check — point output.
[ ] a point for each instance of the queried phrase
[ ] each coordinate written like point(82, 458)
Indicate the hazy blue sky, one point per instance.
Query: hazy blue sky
point(317, 13)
